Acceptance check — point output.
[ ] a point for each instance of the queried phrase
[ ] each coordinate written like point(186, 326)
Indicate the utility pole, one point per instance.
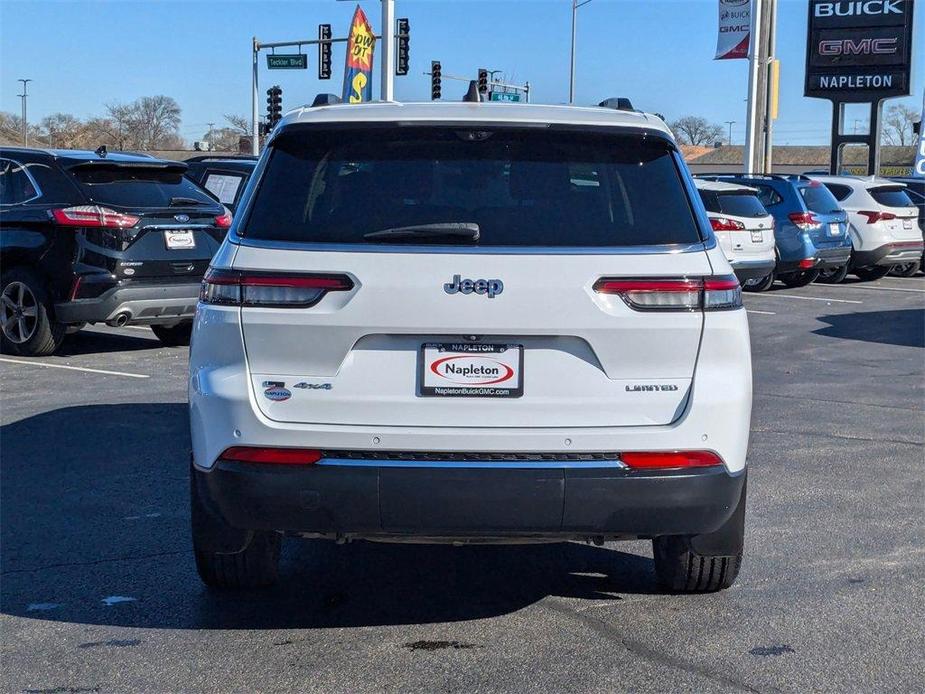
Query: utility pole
point(730, 123)
point(25, 122)
point(571, 80)
point(388, 50)
point(255, 125)
point(211, 138)
point(771, 70)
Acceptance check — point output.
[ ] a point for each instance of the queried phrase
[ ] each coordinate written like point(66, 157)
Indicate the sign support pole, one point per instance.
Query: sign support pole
point(754, 61)
point(255, 129)
point(388, 50)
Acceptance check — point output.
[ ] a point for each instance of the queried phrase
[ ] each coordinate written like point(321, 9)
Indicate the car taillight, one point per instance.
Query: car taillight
point(246, 288)
point(725, 224)
point(874, 217)
point(93, 216)
point(687, 294)
point(273, 456)
point(805, 220)
point(223, 221)
point(665, 460)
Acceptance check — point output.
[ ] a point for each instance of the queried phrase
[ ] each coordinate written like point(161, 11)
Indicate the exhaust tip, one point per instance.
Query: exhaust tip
point(120, 320)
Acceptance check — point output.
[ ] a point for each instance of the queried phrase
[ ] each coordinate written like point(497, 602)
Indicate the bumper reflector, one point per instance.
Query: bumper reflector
point(273, 456)
point(664, 460)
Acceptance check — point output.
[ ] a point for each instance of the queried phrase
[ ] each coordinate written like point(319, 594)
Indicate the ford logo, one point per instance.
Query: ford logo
point(182, 218)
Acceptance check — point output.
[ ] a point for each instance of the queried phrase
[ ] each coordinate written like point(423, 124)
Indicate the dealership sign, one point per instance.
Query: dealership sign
point(734, 28)
point(858, 50)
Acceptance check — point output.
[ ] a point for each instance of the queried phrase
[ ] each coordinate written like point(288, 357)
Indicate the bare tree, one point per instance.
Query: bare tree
point(694, 130)
point(64, 130)
point(156, 120)
point(897, 125)
point(242, 124)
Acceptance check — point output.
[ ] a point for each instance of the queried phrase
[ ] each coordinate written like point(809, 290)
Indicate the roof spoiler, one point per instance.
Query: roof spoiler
point(739, 174)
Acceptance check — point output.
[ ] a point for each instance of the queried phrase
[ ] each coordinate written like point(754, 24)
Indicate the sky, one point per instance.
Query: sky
point(83, 55)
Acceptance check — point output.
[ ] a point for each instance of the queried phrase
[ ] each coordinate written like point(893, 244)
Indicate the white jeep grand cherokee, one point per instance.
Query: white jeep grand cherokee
point(466, 323)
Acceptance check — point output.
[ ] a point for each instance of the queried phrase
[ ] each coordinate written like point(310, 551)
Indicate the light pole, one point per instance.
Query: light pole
point(730, 123)
point(388, 49)
point(571, 80)
point(25, 126)
point(211, 138)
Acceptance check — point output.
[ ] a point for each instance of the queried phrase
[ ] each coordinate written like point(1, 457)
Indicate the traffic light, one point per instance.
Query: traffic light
point(274, 106)
point(324, 52)
point(434, 79)
point(404, 45)
point(483, 81)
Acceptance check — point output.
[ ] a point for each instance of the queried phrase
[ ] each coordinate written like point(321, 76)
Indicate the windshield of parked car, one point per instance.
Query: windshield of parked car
point(138, 186)
point(520, 187)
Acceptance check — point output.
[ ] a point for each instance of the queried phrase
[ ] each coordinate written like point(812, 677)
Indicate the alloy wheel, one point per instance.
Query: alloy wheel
point(18, 312)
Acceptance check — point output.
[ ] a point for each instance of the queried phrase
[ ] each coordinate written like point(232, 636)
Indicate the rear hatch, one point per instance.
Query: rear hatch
point(901, 215)
point(742, 225)
point(170, 227)
point(830, 227)
point(488, 318)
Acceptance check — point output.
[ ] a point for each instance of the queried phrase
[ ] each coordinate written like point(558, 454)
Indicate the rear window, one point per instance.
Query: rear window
point(124, 186)
point(741, 205)
point(819, 199)
point(529, 187)
point(891, 197)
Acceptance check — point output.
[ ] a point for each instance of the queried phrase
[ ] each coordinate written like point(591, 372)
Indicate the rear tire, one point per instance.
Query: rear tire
point(702, 563)
point(836, 276)
point(905, 270)
point(174, 335)
point(28, 326)
point(799, 279)
point(762, 285)
point(227, 557)
point(869, 274)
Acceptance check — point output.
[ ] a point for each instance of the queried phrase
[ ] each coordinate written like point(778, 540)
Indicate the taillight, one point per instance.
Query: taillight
point(807, 263)
point(93, 216)
point(874, 217)
point(223, 221)
point(725, 224)
point(805, 220)
point(687, 294)
point(266, 289)
point(665, 460)
point(273, 456)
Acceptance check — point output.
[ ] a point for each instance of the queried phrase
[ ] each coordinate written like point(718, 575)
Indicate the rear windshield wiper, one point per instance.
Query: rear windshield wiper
point(450, 231)
point(181, 202)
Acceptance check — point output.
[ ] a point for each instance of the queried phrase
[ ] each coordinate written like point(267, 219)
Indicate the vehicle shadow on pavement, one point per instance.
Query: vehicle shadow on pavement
point(903, 327)
point(94, 342)
point(94, 514)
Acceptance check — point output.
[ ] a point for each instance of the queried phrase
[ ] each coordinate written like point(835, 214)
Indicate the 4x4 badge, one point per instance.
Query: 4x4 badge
point(490, 287)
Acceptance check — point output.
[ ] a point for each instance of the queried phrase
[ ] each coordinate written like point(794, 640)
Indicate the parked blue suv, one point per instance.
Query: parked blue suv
point(810, 229)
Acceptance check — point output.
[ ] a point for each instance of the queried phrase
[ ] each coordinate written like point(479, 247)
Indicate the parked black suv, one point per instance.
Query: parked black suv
point(89, 237)
point(224, 177)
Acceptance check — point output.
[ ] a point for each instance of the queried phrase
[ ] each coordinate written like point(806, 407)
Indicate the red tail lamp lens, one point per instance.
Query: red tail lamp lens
point(272, 456)
point(665, 460)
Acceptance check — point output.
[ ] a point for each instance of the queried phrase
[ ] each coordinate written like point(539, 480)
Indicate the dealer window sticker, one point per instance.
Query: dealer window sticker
point(223, 186)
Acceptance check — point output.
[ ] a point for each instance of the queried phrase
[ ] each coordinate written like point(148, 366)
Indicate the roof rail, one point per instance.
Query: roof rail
point(619, 103)
point(219, 157)
point(326, 100)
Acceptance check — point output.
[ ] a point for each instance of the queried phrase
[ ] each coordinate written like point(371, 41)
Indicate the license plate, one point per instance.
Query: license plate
point(179, 239)
point(834, 229)
point(907, 224)
point(757, 236)
point(471, 370)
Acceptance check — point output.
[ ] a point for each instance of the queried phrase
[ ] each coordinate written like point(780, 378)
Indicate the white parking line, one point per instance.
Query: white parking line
point(884, 289)
point(74, 368)
point(807, 298)
point(763, 313)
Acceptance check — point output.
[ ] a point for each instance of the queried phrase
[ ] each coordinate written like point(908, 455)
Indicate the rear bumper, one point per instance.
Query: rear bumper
point(890, 254)
point(752, 269)
point(489, 503)
point(822, 259)
point(144, 305)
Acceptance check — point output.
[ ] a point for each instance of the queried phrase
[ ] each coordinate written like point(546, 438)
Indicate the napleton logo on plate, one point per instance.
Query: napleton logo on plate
point(472, 370)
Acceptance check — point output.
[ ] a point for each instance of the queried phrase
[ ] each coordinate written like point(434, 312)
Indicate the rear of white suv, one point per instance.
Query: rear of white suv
point(743, 228)
point(470, 323)
point(883, 223)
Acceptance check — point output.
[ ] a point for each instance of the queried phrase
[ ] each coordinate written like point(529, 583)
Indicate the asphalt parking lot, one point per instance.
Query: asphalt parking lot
point(99, 592)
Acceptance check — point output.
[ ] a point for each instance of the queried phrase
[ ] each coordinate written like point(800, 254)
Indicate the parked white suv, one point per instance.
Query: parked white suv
point(743, 227)
point(470, 322)
point(883, 223)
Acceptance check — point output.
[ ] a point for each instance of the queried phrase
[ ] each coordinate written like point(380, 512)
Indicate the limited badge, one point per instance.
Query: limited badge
point(277, 394)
